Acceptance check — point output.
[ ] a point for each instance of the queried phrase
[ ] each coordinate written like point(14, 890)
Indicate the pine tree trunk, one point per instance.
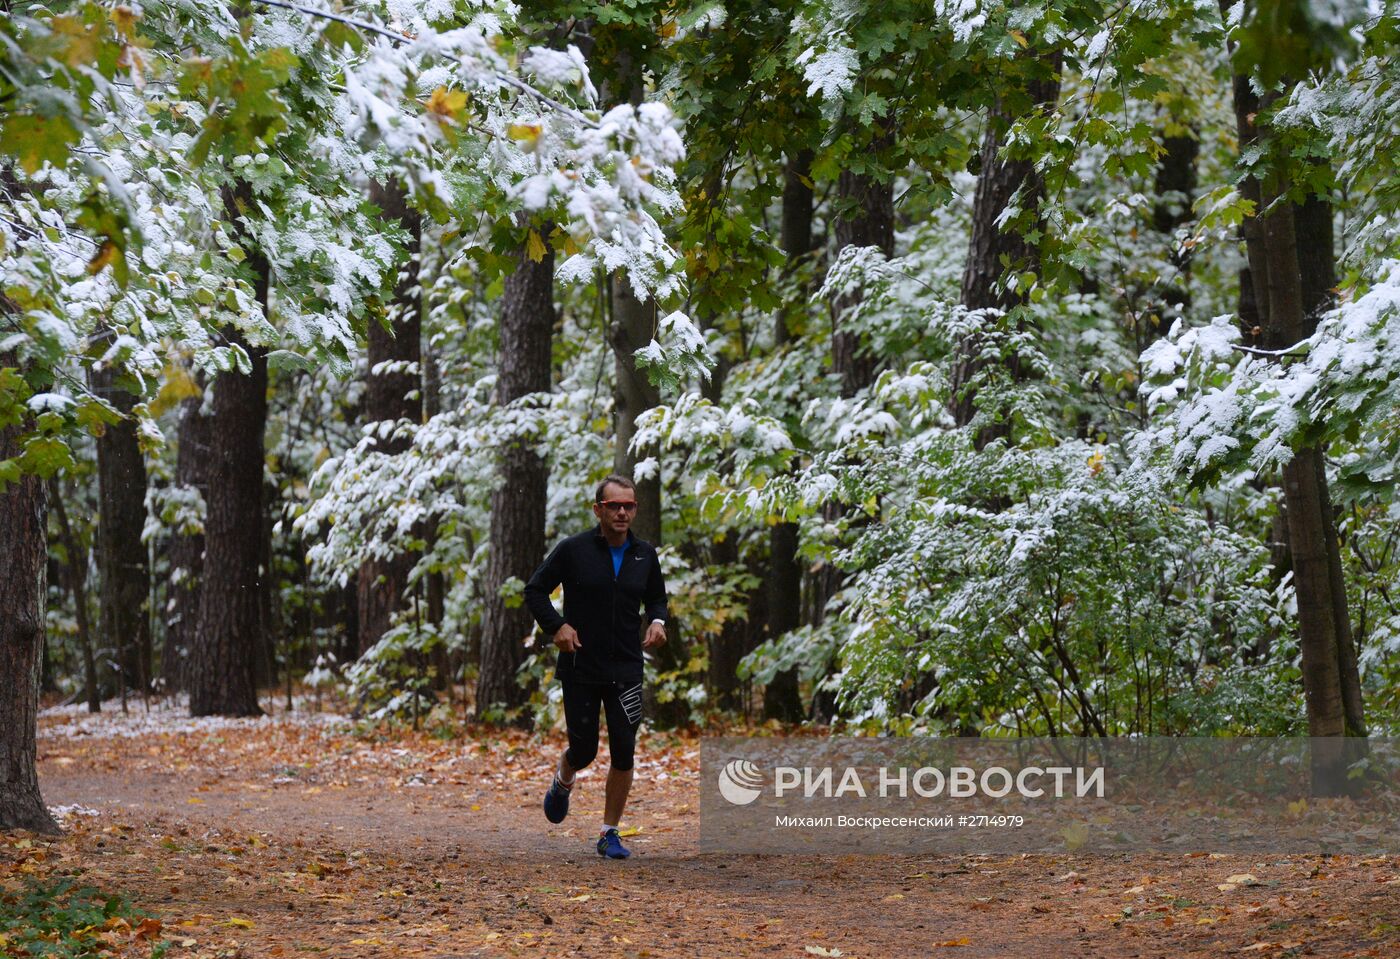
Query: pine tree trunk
point(224, 660)
point(782, 700)
point(23, 562)
point(124, 578)
point(998, 181)
point(192, 457)
point(518, 502)
point(392, 395)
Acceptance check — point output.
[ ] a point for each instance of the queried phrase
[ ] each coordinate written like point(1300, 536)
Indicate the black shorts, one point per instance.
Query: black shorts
point(622, 703)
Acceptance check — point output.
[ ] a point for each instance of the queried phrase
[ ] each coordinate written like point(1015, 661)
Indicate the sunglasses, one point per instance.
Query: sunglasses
point(618, 506)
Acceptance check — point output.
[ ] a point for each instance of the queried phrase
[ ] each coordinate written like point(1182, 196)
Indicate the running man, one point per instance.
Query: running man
point(607, 574)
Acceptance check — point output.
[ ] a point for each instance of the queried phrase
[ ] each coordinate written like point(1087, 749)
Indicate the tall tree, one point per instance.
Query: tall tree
point(1317, 273)
point(1289, 246)
point(782, 699)
point(518, 501)
point(124, 577)
point(393, 392)
point(22, 568)
point(192, 460)
point(223, 663)
point(995, 244)
point(865, 217)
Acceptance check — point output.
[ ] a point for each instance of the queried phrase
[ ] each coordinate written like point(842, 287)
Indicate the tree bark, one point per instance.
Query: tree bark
point(1254, 277)
point(782, 700)
point(1322, 634)
point(1317, 267)
point(997, 183)
point(870, 223)
point(22, 569)
point(867, 220)
point(518, 502)
point(635, 394)
point(394, 394)
point(123, 573)
point(192, 457)
point(223, 662)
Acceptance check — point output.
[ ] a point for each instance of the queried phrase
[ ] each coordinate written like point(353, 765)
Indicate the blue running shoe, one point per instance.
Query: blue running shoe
point(610, 845)
point(556, 801)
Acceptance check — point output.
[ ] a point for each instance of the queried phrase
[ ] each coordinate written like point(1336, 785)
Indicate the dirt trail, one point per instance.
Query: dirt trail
point(280, 839)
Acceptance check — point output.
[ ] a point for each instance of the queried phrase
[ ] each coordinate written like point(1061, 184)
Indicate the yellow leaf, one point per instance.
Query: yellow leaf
point(194, 801)
point(952, 943)
point(446, 103)
point(534, 247)
point(1020, 38)
point(238, 923)
point(176, 385)
point(525, 132)
point(124, 19)
point(1243, 879)
point(583, 898)
point(629, 831)
point(106, 254)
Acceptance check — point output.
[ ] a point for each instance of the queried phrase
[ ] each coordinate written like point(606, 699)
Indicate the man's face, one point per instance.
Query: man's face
point(617, 509)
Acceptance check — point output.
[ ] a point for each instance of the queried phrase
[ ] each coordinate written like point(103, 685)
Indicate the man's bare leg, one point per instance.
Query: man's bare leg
point(619, 785)
point(566, 772)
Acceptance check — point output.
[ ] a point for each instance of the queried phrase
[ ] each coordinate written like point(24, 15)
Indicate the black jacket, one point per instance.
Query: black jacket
point(600, 606)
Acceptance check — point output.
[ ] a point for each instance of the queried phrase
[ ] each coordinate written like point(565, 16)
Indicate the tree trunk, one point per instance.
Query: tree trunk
point(193, 450)
point(223, 662)
point(392, 394)
point(870, 223)
point(1254, 277)
point(868, 220)
point(22, 569)
point(999, 181)
point(782, 699)
point(518, 502)
point(76, 573)
point(635, 394)
point(1322, 633)
point(1317, 267)
point(1175, 187)
point(123, 573)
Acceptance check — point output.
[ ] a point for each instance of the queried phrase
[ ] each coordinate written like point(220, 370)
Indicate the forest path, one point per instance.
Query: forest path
point(285, 837)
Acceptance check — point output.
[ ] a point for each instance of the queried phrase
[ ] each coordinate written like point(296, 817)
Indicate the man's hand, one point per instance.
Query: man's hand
point(656, 635)
point(567, 639)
